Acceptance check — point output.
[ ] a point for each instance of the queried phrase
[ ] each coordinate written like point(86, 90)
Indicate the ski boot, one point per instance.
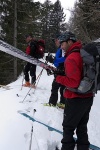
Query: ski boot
point(27, 84)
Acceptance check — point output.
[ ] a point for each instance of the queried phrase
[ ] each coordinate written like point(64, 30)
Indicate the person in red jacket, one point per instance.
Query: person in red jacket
point(77, 106)
point(30, 50)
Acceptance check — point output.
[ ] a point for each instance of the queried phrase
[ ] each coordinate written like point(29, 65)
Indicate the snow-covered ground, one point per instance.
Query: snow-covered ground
point(15, 129)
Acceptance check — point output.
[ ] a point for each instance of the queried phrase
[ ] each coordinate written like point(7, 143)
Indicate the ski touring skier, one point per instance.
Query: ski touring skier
point(35, 49)
point(77, 106)
point(58, 62)
point(30, 50)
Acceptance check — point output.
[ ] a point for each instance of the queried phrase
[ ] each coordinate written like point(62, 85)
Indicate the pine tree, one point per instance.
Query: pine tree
point(57, 18)
point(85, 20)
point(26, 14)
point(52, 22)
point(57, 22)
point(46, 10)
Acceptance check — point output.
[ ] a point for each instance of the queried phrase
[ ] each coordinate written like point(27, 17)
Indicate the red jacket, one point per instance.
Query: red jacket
point(28, 49)
point(73, 70)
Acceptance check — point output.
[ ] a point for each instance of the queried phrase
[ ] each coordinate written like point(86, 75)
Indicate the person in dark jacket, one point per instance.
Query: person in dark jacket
point(30, 50)
point(58, 63)
point(77, 106)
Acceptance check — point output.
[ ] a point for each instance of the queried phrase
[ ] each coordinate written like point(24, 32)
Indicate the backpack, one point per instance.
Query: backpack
point(40, 48)
point(37, 48)
point(90, 82)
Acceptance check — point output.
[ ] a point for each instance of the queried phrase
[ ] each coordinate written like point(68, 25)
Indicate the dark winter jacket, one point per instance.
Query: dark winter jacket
point(73, 70)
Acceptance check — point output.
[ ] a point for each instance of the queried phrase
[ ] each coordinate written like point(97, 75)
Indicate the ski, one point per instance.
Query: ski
point(92, 147)
point(9, 49)
point(49, 105)
point(62, 106)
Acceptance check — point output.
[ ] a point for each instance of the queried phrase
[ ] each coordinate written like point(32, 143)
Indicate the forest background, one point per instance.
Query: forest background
point(43, 20)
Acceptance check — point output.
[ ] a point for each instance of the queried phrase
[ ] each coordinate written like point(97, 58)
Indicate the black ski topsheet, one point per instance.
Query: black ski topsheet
point(9, 49)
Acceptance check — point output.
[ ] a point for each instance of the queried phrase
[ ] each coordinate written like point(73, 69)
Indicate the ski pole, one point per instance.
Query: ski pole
point(30, 146)
point(38, 79)
point(39, 76)
point(27, 94)
point(31, 138)
point(34, 134)
point(31, 86)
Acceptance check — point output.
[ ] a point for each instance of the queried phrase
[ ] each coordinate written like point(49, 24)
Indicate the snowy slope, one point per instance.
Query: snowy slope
point(15, 129)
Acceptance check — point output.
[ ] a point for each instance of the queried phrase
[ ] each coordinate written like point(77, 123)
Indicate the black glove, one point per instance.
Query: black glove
point(49, 72)
point(50, 58)
point(59, 72)
point(55, 72)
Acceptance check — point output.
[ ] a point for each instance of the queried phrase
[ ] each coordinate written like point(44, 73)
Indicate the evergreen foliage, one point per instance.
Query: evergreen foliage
point(44, 21)
point(85, 20)
point(57, 22)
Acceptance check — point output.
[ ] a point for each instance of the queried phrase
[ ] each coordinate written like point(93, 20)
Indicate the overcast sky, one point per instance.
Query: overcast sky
point(66, 4)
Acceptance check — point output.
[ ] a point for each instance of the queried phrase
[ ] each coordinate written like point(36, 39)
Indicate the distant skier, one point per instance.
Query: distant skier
point(35, 49)
point(58, 62)
point(30, 50)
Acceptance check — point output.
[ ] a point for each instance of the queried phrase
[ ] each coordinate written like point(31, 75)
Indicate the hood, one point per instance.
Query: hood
point(77, 45)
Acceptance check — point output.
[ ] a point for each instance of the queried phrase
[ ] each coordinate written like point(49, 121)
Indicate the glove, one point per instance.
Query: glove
point(49, 72)
point(59, 72)
point(50, 58)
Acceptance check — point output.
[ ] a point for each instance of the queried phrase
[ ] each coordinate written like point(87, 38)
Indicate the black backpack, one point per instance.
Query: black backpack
point(37, 48)
point(90, 54)
point(40, 48)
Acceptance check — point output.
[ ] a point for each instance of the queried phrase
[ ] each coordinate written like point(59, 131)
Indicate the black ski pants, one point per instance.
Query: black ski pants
point(76, 116)
point(54, 93)
point(32, 69)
